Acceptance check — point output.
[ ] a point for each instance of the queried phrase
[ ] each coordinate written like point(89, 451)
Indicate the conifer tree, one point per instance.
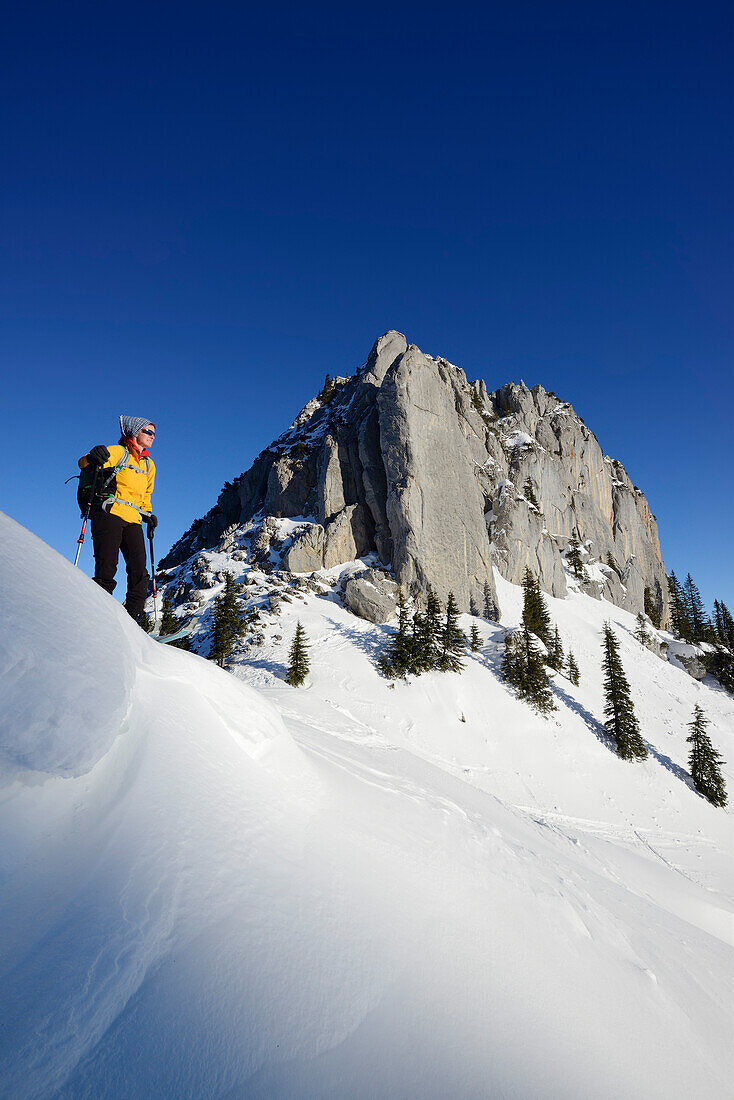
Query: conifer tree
point(612, 563)
point(433, 629)
point(641, 631)
point(719, 628)
point(473, 609)
point(535, 615)
point(651, 609)
point(704, 761)
point(555, 651)
point(452, 639)
point(728, 625)
point(529, 494)
point(398, 661)
point(475, 639)
point(298, 663)
point(170, 623)
point(678, 613)
point(573, 557)
point(721, 665)
point(229, 622)
point(426, 637)
point(619, 710)
point(510, 659)
point(146, 622)
point(490, 608)
point(419, 643)
point(573, 669)
point(723, 625)
point(695, 609)
point(530, 675)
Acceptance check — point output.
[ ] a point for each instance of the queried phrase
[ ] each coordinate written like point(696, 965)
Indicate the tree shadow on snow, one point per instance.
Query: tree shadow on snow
point(275, 668)
point(373, 642)
point(600, 732)
point(597, 728)
point(489, 656)
point(676, 769)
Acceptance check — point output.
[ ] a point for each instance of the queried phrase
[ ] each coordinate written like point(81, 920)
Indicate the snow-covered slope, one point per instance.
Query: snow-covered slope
point(212, 887)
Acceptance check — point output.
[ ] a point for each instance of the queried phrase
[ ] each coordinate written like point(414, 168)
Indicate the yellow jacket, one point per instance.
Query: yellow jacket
point(131, 485)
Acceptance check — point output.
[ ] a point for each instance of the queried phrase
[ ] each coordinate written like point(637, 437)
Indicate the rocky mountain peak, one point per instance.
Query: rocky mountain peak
point(442, 479)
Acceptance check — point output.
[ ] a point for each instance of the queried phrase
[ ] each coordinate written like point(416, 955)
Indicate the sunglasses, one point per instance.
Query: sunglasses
point(144, 431)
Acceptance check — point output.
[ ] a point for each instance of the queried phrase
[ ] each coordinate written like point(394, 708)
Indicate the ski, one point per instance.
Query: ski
point(182, 633)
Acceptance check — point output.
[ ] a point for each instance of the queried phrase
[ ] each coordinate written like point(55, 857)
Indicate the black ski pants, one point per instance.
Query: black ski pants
point(110, 535)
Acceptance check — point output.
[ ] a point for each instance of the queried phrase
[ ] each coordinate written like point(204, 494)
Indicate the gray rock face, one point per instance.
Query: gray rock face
point(307, 551)
point(435, 506)
point(694, 667)
point(521, 541)
point(436, 475)
point(330, 486)
point(581, 493)
point(372, 596)
point(344, 539)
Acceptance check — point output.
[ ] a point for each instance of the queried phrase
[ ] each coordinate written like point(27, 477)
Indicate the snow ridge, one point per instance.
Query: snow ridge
point(213, 884)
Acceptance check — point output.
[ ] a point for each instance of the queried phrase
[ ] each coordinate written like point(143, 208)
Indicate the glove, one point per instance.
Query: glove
point(152, 522)
point(98, 455)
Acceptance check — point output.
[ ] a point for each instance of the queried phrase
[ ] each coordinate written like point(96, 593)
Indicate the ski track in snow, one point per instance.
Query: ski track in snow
point(718, 920)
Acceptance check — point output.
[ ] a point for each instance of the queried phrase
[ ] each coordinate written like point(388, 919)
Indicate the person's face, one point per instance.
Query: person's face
point(146, 436)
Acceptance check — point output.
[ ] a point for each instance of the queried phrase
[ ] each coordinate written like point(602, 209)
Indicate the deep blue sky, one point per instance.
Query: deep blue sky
point(206, 208)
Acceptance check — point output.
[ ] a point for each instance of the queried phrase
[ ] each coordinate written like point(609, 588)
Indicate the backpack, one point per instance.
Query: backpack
point(104, 481)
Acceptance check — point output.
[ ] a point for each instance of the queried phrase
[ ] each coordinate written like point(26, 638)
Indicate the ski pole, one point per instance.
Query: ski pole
point(152, 576)
point(80, 540)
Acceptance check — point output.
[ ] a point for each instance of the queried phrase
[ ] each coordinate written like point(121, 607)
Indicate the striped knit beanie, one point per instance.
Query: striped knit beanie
point(131, 425)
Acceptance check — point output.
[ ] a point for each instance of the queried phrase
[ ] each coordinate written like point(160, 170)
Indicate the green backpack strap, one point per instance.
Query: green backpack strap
point(113, 474)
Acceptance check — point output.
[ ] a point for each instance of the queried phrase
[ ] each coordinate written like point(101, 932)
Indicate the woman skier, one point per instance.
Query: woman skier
point(125, 474)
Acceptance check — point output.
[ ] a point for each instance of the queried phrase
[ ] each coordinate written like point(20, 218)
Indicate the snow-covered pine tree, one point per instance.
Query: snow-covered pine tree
point(510, 659)
point(555, 651)
point(475, 639)
point(619, 710)
point(704, 761)
point(298, 663)
point(531, 678)
point(170, 623)
point(426, 636)
point(398, 661)
point(452, 639)
point(229, 622)
point(573, 557)
point(641, 632)
point(573, 669)
point(535, 614)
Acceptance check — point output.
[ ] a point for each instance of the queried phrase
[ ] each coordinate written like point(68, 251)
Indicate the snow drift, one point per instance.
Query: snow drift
point(213, 890)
